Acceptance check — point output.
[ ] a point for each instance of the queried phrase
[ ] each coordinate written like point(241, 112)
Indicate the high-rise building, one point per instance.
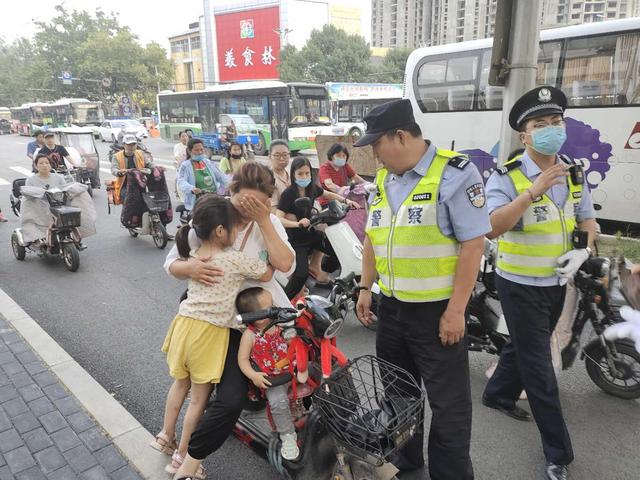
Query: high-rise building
point(461, 20)
point(399, 23)
point(570, 12)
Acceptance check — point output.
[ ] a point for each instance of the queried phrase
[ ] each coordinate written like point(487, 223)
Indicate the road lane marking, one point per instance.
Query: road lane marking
point(4, 182)
point(22, 170)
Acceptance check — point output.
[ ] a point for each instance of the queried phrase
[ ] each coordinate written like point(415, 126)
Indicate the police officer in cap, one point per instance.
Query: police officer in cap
point(542, 214)
point(425, 237)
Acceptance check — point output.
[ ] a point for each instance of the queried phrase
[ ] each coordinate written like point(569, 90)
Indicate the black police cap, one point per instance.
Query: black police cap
point(540, 101)
point(384, 118)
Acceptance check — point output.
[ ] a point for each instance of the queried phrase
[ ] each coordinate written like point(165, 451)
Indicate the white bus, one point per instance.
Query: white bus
point(350, 102)
point(596, 65)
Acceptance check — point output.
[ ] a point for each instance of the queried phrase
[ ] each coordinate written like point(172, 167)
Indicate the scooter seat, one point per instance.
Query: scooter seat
point(18, 183)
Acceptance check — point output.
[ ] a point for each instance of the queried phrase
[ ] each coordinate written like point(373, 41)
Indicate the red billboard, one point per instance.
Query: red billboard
point(248, 44)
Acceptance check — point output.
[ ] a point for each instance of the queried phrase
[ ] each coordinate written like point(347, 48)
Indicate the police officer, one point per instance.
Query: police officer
point(536, 201)
point(425, 237)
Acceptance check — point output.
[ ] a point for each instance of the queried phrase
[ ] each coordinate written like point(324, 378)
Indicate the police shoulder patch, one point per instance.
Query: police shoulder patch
point(476, 195)
point(459, 162)
point(508, 167)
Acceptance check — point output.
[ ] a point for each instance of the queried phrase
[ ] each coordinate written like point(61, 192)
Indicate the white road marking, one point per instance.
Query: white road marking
point(22, 170)
point(105, 170)
point(4, 182)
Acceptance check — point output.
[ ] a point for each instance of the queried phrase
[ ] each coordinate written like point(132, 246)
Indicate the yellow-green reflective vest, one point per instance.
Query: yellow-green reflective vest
point(546, 231)
point(414, 260)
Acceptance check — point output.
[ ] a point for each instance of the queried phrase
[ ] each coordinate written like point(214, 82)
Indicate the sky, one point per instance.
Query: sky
point(150, 20)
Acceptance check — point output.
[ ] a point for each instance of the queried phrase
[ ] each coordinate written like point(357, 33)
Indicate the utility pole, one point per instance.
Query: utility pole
point(520, 66)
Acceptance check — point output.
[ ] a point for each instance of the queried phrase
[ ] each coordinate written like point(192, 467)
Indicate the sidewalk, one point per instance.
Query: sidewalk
point(44, 432)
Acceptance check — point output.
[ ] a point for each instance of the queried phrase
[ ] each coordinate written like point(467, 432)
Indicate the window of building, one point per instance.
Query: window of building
point(195, 43)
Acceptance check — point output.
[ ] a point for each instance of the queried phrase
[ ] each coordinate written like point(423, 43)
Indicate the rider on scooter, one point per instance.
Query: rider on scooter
point(336, 172)
point(128, 159)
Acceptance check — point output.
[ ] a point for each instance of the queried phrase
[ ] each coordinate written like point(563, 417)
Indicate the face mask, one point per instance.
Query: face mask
point(198, 158)
point(303, 183)
point(236, 156)
point(339, 161)
point(548, 140)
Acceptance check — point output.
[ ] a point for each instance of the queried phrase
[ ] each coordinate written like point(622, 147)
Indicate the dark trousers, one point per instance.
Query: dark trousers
point(222, 414)
point(408, 336)
point(525, 362)
point(304, 246)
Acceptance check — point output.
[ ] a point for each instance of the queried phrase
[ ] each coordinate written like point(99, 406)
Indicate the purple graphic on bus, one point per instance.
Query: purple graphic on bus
point(583, 143)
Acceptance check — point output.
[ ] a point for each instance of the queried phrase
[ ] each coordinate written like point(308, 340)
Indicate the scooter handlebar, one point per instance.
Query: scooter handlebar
point(278, 314)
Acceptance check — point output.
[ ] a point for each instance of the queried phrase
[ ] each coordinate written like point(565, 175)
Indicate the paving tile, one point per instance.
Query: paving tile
point(95, 473)
point(27, 356)
point(53, 421)
point(41, 406)
point(33, 473)
point(80, 422)
point(19, 347)
point(110, 458)
point(10, 440)
point(19, 459)
point(65, 439)
point(4, 380)
point(50, 460)
point(2, 461)
point(5, 473)
point(67, 406)
point(25, 423)
point(5, 423)
point(21, 380)
point(15, 407)
point(11, 337)
point(35, 367)
point(64, 473)
point(6, 356)
point(125, 473)
point(80, 458)
point(13, 367)
point(55, 391)
point(30, 392)
point(45, 379)
point(37, 440)
point(94, 439)
point(8, 392)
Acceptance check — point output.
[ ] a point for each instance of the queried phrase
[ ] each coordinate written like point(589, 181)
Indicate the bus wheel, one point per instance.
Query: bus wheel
point(261, 147)
point(355, 133)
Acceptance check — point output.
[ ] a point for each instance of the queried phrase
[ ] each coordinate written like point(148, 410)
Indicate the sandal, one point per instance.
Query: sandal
point(162, 444)
point(176, 463)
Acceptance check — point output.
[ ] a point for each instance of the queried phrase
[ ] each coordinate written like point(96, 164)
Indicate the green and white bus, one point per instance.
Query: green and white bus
point(293, 111)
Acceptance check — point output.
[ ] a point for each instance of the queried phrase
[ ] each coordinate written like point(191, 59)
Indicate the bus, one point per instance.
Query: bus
point(78, 112)
point(595, 65)
point(350, 103)
point(293, 111)
point(28, 117)
point(5, 113)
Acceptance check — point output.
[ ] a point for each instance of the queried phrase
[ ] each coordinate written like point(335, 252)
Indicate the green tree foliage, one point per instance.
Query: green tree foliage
point(91, 48)
point(330, 55)
point(391, 69)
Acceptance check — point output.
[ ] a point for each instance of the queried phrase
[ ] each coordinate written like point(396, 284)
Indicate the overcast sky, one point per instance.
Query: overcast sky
point(150, 20)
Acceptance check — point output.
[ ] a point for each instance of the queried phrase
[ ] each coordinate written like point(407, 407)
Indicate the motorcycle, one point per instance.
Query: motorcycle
point(311, 329)
point(348, 249)
point(62, 237)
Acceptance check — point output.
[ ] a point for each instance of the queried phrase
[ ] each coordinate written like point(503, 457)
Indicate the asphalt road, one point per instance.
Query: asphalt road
point(112, 316)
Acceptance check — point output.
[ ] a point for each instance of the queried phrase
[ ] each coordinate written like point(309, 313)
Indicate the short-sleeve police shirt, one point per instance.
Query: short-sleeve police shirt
point(462, 211)
point(501, 191)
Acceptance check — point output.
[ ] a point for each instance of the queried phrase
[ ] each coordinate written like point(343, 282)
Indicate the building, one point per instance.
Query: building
point(571, 12)
point(400, 23)
point(461, 20)
point(186, 55)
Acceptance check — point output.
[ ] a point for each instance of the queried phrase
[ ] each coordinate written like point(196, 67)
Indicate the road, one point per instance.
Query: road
point(112, 316)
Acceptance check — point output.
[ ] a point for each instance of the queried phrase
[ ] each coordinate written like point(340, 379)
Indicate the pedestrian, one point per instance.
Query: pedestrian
point(336, 172)
point(231, 163)
point(197, 340)
point(279, 156)
point(536, 202)
point(180, 148)
point(260, 236)
point(425, 237)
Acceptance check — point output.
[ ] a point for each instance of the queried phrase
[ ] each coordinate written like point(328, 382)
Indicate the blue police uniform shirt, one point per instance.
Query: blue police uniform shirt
point(457, 215)
point(501, 191)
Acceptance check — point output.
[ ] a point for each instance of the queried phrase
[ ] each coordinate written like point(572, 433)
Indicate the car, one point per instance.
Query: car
point(110, 129)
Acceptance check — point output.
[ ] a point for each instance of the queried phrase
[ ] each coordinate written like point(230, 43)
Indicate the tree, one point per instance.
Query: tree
point(391, 69)
point(330, 55)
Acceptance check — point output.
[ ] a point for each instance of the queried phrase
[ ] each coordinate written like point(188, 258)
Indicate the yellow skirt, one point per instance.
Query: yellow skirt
point(196, 349)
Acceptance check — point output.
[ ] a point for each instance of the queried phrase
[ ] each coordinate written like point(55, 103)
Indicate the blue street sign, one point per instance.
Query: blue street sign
point(67, 79)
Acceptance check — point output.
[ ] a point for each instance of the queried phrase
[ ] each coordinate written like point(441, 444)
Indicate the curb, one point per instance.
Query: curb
point(127, 434)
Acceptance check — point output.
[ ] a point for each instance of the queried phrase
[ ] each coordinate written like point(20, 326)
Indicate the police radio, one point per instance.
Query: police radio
point(577, 174)
point(580, 239)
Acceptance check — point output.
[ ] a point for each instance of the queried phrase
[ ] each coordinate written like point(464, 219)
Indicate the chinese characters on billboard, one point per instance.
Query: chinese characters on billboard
point(248, 44)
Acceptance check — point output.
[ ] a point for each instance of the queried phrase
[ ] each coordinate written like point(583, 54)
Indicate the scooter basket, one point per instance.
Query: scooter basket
point(156, 202)
point(66, 217)
point(371, 407)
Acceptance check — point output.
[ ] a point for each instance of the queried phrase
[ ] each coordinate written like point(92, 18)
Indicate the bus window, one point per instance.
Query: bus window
point(358, 111)
point(446, 85)
point(548, 61)
point(344, 114)
point(489, 97)
point(602, 70)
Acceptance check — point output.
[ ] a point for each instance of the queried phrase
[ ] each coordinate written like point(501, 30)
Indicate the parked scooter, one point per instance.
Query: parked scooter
point(62, 237)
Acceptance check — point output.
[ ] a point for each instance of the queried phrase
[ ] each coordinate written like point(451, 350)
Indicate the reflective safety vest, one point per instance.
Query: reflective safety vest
point(415, 261)
point(546, 228)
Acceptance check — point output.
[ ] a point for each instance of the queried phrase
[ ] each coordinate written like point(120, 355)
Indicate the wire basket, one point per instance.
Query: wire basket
point(66, 217)
point(157, 202)
point(371, 407)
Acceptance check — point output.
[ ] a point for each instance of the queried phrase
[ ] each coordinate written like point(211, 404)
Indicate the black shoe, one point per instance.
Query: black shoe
point(556, 472)
point(513, 412)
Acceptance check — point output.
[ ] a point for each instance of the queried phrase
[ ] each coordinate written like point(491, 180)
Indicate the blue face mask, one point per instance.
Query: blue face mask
point(198, 158)
point(339, 161)
point(303, 183)
point(549, 140)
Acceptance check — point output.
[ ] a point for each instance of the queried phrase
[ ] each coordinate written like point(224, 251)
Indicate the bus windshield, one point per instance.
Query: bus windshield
point(87, 114)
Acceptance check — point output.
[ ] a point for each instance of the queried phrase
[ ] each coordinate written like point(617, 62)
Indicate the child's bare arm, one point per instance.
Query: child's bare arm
point(244, 353)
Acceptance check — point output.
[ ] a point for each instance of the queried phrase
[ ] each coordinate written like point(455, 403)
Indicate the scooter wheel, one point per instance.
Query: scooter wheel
point(133, 233)
point(71, 257)
point(15, 208)
point(159, 234)
point(626, 387)
point(18, 250)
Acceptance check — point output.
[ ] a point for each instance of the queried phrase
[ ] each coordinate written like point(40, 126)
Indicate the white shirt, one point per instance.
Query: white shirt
point(255, 247)
point(180, 152)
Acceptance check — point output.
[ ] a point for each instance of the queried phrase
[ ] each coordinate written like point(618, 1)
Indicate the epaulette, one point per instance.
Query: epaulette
point(508, 167)
point(571, 161)
point(459, 162)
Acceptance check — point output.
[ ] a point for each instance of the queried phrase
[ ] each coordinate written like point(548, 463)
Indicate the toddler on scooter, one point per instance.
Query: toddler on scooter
point(268, 351)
